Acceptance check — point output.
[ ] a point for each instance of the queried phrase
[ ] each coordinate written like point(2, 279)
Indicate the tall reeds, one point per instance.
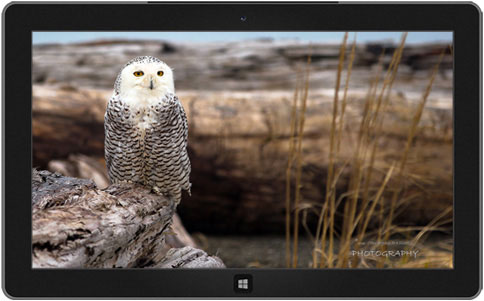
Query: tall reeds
point(345, 95)
point(330, 193)
point(298, 112)
point(403, 160)
point(373, 190)
point(290, 160)
point(370, 132)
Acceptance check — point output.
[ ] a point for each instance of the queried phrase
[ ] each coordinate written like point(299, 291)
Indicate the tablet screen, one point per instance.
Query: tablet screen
point(242, 150)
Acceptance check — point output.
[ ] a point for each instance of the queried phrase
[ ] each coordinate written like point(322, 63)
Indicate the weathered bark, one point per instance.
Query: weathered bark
point(76, 225)
point(188, 257)
point(80, 166)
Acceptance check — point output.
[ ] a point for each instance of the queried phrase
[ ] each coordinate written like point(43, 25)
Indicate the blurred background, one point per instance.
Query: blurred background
point(238, 89)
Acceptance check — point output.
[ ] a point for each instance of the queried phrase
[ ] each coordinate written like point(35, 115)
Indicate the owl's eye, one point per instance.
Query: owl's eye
point(160, 73)
point(138, 73)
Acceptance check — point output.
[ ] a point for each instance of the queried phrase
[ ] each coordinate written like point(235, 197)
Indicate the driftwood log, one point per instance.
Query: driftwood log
point(256, 64)
point(238, 147)
point(80, 166)
point(77, 225)
point(67, 120)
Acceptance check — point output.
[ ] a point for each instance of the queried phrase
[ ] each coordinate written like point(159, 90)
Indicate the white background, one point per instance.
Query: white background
point(3, 3)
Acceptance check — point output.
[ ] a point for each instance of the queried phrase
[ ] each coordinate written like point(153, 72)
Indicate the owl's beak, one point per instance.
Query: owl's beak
point(151, 84)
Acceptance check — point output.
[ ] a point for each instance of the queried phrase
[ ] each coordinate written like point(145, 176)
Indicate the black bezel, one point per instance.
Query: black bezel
point(20, 280)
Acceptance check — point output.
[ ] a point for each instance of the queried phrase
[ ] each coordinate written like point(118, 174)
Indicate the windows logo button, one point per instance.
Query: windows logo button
point(243, 283)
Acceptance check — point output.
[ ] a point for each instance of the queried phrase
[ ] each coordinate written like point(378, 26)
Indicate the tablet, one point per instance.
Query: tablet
point(242, 150)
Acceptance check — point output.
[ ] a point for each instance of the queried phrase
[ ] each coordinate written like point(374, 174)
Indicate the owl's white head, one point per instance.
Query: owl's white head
point(144, 77)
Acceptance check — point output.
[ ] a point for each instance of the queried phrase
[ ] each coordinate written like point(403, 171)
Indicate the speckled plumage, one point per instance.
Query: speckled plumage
point(146, 133)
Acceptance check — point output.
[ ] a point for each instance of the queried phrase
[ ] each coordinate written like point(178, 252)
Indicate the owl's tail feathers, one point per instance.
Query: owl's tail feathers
point(177, 197)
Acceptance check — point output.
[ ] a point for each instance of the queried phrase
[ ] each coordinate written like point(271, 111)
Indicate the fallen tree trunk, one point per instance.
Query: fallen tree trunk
point(238, 148)
point(76, 225)
point(66, 121)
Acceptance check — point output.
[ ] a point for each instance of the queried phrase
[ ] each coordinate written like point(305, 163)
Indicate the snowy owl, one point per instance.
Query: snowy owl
point(146, 129)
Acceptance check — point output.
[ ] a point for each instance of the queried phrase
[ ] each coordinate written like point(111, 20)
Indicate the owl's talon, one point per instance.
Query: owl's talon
point(157, 190)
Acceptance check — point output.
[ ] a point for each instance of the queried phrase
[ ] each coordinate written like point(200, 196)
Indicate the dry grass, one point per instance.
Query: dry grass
point(300, 131)
point(376, 190)
point(290, 160)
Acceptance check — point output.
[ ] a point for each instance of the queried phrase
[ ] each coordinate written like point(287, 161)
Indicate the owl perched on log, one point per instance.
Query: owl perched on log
point(146, 129)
